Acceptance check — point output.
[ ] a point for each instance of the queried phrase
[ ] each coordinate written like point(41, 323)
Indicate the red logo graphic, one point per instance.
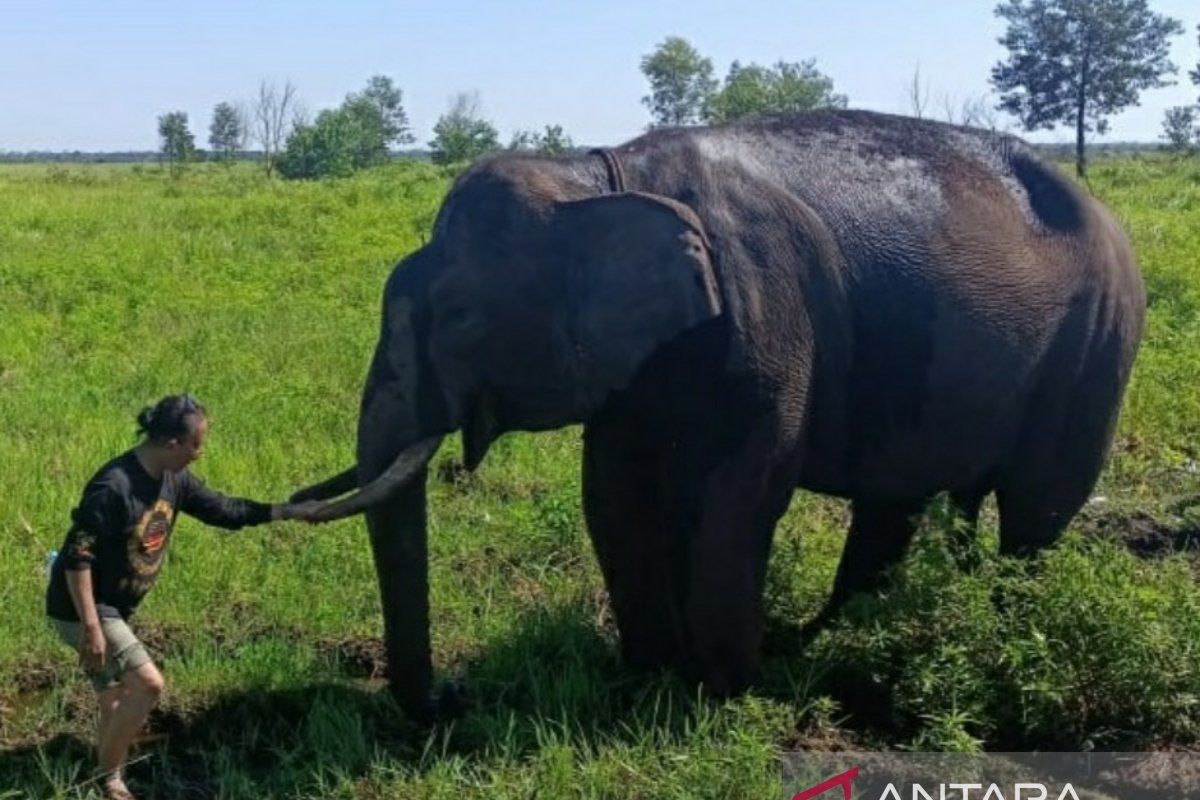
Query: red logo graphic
point(156, 533)
point(844, 780)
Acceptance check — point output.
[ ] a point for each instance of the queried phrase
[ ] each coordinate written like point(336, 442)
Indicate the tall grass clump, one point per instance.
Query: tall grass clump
point(1085, 648)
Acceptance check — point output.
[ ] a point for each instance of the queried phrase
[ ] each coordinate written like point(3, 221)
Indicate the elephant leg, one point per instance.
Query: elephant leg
point(622, 501)
point(741, 503)
point(1056, 467)
point(398, 539)
point(879, 535)
point(1064, 443)
point(1034, 513)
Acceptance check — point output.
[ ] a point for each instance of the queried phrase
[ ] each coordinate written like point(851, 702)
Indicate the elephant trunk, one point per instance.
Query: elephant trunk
point(408, 465)
point(329, 488)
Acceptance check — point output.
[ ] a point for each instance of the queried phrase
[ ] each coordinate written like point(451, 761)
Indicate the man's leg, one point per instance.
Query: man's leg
point(109, 699)
point(123, 711)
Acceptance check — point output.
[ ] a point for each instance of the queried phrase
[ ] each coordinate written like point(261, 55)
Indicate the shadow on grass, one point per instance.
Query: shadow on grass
point(35, 771)
point(555, 678)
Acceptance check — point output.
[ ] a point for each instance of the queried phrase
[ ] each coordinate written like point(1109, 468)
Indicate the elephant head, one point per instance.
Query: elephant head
point(538, 296)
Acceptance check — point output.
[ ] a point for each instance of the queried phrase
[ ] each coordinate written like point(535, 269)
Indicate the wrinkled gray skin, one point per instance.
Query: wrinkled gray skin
point(871, 307)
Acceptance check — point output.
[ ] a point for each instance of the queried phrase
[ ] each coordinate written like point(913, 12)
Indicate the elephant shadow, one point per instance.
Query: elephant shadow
point(556, 673)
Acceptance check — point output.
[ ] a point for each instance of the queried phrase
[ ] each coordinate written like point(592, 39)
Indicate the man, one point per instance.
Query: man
point(112, 555)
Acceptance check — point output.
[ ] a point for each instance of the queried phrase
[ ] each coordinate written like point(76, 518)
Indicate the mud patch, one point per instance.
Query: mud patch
point(162, 639)
point(356, 656)
point(31, 686)
point(1144, 534)
point(32, 678)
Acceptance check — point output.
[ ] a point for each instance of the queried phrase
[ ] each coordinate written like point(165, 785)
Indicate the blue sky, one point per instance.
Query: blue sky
point(94, 74)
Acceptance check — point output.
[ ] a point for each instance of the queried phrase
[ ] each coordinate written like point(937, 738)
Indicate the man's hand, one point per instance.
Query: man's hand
point(305, 511)
point(91, 647)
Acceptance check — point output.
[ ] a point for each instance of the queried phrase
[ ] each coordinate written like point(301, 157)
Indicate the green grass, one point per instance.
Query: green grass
point(120, 284)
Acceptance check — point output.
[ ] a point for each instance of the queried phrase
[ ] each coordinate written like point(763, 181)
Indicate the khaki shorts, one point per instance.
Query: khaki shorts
point(122, 652)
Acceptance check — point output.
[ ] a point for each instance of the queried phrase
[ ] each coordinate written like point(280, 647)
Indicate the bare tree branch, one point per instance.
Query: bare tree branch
point(917, 94)
point(273, 120)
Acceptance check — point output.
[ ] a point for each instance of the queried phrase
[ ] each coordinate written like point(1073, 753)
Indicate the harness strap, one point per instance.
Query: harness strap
point(616, 175)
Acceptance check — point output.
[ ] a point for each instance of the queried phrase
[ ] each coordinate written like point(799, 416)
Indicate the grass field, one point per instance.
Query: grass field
point(120, 284)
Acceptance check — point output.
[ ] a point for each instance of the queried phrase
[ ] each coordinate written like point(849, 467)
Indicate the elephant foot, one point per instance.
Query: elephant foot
point(810, 630)
point(453, 700)
point(720, 684)
point(448, 702)
point(649, 653)
point(725, 672)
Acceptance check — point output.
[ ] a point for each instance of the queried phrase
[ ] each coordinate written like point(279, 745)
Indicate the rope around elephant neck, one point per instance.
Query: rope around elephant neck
point(616, 175)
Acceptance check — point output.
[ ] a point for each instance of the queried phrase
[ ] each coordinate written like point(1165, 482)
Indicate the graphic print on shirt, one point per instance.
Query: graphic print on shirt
point(147, 545)
point(82, 545)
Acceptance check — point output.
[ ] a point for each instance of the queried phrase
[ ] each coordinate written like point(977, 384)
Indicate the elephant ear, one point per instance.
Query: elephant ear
point(640, 273)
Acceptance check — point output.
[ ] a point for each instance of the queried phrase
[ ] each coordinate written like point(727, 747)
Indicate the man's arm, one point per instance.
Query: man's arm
point(101, 512)
point(91, 646)
point(232, 513)
point(214, 508)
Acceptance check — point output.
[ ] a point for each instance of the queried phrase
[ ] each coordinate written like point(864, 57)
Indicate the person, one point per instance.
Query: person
point(112, 554)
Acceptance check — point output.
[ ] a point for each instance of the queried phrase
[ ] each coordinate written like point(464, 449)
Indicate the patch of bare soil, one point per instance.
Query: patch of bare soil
point(1175, 530)
point(824, 737)
point(162, 639)
point(357, 656)
point(31, 684)
point(35, 678)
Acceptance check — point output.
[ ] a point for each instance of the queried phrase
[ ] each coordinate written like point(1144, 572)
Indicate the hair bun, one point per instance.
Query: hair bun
point(145, 418)
point(170, 417)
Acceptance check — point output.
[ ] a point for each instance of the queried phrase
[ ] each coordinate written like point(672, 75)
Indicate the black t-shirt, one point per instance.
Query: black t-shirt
point(122, 527)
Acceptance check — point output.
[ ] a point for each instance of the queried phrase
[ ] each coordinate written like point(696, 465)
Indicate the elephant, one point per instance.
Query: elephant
point(873, 307)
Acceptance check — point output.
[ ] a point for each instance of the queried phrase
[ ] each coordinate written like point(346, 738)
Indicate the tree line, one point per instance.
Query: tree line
point(1070, 62)
point(361, 132)
point(368, 125)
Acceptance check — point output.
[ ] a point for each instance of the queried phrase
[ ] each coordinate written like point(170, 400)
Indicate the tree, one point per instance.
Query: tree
point(1078, 62)
point(383, 104)
point(329, 147)
point(353, 136)
point(550, 141)
point(272, 119)
point(227, 132)
point(175, 140)
point(381, 120)
point(1180, 129)
point(917, 94)
point(1195, 74)
point(461, 134)
point(681, 82)
point(785, 88)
